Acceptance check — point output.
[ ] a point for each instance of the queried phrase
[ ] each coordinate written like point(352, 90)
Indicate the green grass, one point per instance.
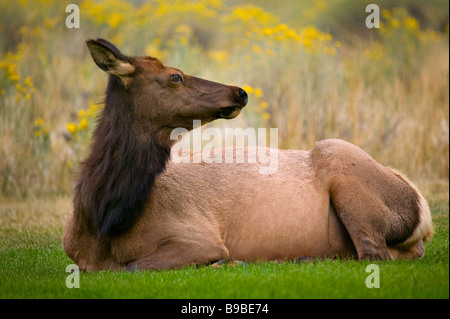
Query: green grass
point(32, 265)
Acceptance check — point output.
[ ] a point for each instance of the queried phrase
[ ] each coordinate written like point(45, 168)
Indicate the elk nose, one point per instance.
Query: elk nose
point(243, 95)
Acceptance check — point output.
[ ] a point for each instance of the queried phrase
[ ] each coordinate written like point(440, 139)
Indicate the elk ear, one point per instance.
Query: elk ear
point(109, 58)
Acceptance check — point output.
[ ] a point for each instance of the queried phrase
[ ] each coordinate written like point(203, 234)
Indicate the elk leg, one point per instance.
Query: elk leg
point(363, 215)
point(178, 254)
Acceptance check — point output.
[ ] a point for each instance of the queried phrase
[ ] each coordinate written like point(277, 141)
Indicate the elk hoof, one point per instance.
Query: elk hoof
point(304, 259)
point(220, 263)
point(132, 267)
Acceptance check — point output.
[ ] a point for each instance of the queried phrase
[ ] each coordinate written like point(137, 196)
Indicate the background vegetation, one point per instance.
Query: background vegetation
point(312, 69)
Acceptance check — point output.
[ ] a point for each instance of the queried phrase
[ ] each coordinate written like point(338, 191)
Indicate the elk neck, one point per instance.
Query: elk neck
point(115, 181)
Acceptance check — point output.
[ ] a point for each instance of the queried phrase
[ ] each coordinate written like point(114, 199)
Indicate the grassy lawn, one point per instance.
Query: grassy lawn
point(32, 265)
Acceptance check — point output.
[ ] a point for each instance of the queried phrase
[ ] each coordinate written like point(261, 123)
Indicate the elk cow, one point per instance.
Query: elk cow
point(135, 209)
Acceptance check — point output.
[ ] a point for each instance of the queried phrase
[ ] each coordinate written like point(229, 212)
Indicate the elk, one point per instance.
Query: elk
point(134, 209)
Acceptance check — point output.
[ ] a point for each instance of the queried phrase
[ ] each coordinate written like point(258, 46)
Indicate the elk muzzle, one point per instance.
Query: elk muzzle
point(241, 99)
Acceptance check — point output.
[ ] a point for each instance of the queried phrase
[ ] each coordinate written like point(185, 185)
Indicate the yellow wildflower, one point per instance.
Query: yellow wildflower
point(281, 27)
point(39, 121)
point(83, 124)
point(248, 89)
point(256, 48)
point(267, 31)
point(184, 29)
point(411, 23)
point(49, 23)
point(14, 77)
point(395, 23)
point(115, 19)
point(184, 40)
point(258, 92)
point(290, 34)
point(71, 127)
point(218, 55)
point(28, 82)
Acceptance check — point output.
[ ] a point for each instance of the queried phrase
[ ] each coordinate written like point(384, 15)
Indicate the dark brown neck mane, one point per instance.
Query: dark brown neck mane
point(115, 181)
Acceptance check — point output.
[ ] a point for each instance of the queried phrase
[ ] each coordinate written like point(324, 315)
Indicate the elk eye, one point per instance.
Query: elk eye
point(176, 78)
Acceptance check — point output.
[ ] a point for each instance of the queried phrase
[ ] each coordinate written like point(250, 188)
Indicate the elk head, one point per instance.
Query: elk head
point(165, 98)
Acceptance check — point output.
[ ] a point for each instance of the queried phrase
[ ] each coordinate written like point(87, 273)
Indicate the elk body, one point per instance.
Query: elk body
point(135, 209)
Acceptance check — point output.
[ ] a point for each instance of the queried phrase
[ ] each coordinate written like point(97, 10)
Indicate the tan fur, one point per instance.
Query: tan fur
point(201, 212)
